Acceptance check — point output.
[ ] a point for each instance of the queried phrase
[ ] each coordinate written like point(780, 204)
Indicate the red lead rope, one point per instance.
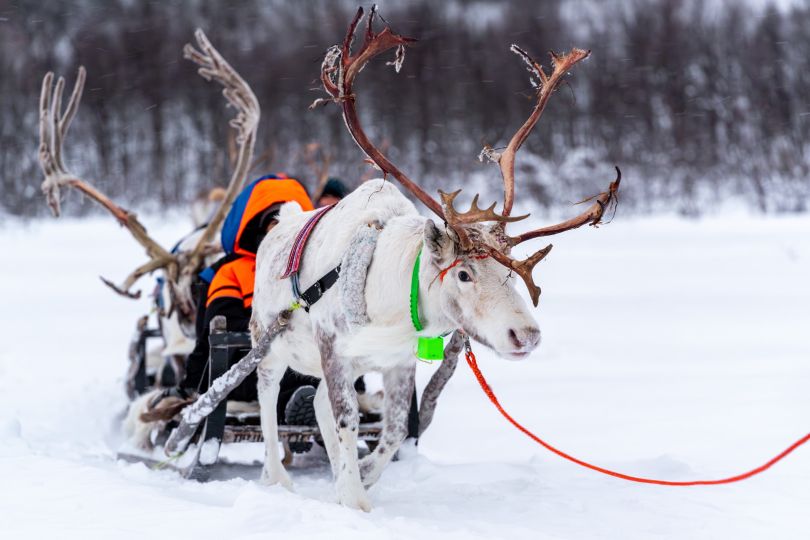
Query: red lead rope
point(488, 391)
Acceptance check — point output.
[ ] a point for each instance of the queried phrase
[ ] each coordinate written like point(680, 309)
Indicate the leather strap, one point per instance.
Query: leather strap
point(317, 290)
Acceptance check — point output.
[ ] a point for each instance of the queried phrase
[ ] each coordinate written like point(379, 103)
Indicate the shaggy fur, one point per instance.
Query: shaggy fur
point(322, 343)
point(138, 430)
point(165, 410)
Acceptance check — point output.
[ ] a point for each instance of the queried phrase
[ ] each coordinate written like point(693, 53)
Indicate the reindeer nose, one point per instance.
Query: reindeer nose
point(526, 338)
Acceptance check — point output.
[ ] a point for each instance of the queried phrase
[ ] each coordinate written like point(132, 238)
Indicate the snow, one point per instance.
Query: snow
point(671, 348)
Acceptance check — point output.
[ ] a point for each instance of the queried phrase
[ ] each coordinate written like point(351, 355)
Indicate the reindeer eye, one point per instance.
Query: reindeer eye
point(464, 276)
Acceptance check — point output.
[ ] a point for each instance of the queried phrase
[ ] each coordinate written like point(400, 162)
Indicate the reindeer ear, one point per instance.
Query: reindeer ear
point(438, 244)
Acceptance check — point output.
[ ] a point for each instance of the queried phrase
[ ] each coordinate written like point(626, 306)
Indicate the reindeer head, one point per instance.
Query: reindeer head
point(477, 293)
point(480, 295)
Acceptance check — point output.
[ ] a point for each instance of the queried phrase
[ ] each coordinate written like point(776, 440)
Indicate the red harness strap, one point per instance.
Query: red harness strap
point(471, 361)
point(297, 250)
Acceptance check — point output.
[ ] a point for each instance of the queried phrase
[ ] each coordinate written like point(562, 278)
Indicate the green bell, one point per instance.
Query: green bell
point(430, 349)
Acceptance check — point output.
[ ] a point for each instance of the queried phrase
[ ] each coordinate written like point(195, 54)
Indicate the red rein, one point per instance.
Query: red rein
point(488, 391)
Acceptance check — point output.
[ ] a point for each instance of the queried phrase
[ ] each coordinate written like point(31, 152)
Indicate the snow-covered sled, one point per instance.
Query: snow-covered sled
point(230, 421)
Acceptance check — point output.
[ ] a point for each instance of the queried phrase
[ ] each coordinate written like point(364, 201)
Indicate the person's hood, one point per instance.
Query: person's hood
point(258, 196)
point(335, 187)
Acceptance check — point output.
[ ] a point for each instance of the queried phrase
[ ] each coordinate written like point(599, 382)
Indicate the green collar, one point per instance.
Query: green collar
point(427, 348)
point(417, 324)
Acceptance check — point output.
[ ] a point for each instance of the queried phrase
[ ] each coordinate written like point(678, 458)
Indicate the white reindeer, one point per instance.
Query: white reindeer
point(465, 282)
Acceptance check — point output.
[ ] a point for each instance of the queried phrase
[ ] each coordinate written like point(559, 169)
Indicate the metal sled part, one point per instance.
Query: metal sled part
point(202, 455)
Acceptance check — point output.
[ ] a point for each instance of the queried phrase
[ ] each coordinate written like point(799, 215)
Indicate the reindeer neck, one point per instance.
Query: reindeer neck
point(388, 283)
point(432, 317)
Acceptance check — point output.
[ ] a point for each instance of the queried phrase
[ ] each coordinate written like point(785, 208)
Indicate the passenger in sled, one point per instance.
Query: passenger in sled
point(227, 289)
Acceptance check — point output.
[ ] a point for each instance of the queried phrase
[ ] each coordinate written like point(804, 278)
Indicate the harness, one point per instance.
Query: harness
point(314, 293)
point(428, 348)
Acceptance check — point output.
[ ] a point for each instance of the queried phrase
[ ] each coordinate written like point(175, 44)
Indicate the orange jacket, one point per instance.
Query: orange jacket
point(234, 279)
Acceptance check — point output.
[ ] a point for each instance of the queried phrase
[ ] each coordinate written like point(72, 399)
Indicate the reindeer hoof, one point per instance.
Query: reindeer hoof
point(272, 478)
point(353, 496)
point(360, 502)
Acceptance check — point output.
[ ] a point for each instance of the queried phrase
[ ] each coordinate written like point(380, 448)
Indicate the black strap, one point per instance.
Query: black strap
point(314, 293)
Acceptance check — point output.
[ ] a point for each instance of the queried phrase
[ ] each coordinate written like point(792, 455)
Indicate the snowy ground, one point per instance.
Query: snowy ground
point(671, 348)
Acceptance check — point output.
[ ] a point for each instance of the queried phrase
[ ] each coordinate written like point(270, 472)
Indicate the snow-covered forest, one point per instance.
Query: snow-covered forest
point(698, 102)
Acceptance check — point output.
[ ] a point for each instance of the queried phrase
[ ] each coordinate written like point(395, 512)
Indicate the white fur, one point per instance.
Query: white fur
point(377, 340)
point(180, 338)
point(320, 342)
point(139, 433)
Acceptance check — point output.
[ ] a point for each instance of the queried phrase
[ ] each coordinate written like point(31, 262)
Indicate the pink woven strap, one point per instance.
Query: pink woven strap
point(297, 251)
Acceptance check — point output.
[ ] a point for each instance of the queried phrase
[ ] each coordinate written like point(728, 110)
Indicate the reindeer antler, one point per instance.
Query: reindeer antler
point(53, 127)
point(545, 86)
point(239, 95)
point(592, 216)
point(340, 67)
point(457, 220)
point(338, 71)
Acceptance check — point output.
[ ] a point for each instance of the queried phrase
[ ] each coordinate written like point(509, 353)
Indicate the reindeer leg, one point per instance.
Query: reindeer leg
point(326, 423)
point(269, 377)
point(339, 381)
point(398, 383)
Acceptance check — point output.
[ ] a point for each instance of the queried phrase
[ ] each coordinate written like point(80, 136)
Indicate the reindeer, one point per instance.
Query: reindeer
point(179, 267)
point(182, 266)
point(463, 268)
